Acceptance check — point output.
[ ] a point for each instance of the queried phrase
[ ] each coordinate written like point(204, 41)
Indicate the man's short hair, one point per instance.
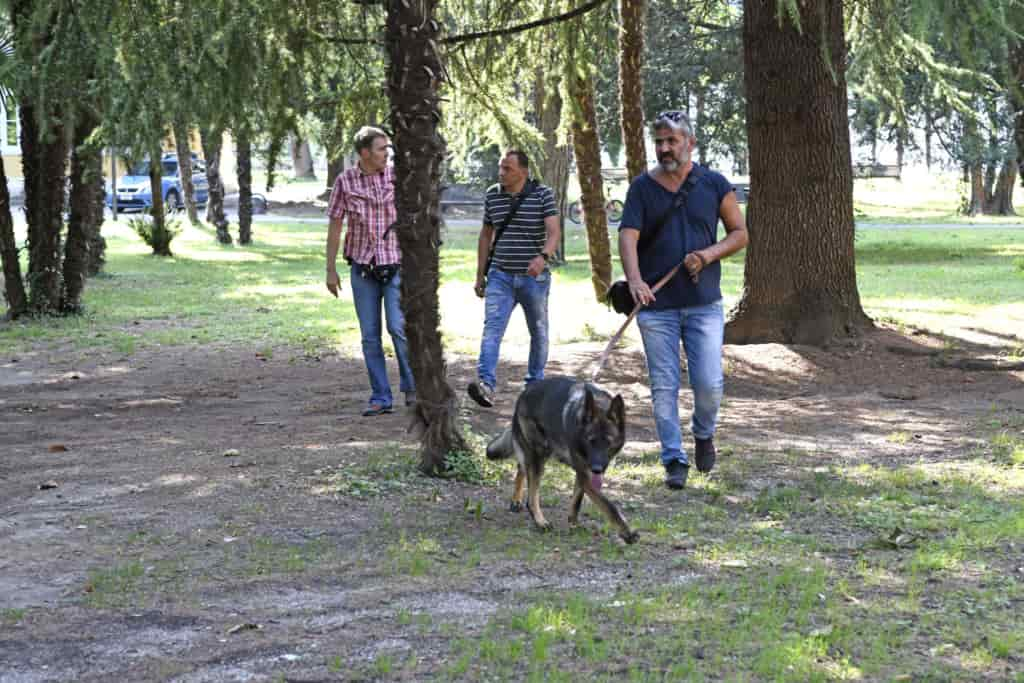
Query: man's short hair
point(365, 137)
point(520, 155)
point(676, 120)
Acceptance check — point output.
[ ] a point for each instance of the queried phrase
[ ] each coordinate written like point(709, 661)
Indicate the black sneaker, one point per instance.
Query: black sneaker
point(704, 454)
point(375, 409)
point(481, 393)
point(676, 473)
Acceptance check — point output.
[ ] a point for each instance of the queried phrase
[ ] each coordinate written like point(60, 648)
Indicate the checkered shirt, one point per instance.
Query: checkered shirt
point(369, 203)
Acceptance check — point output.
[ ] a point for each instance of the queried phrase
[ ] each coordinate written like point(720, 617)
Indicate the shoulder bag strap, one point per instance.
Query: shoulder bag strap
point(528, 190)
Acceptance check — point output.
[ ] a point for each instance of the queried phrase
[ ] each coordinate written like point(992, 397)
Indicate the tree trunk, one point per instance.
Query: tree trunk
point(334, 169)
point(212, 140)
point(85, 164)
point(184, 151)
point(14, 287)
point(588, 170)
point(1017, 102)
point(554, 168)
point(976, 202)
point(97, 245)
point(414, 73)
point(800, 282)
point(302, 160)
point(1002, 197)
point(243, 143)
point(699, 123)
point(43, 160)
point(161, 243)
point(928, 140)
point(631, 84)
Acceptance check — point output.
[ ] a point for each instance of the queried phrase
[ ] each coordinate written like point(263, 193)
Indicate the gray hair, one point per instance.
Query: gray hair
point(366, 135)
point(676, 120)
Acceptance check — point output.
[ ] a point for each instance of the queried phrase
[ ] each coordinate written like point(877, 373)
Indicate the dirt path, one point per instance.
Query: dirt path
point(201, 515)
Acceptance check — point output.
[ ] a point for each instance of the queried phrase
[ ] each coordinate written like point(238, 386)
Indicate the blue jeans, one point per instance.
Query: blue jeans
point(701, 329)
point(503, 292)
point(368, 294)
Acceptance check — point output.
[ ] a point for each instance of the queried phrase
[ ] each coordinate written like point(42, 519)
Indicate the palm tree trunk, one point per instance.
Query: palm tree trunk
point(554, 168)
point(243, 144)
point(97, 245)
point(212, 140)
point(631, 84)
point(588, 170)
point(184, 151)
point(14, 287)
point(414, 74)
point(800, 282)
point(85, 162)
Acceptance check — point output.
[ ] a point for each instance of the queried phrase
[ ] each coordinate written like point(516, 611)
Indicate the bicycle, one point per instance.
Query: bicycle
point(613, 208)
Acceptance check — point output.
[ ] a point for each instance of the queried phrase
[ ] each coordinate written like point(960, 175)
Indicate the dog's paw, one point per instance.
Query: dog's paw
point(630, 537)
point(515, 506)
point(543, 527)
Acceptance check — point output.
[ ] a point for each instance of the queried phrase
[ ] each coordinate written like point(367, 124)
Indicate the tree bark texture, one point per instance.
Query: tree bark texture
point(97, 244)
point(14, 287)
point(1001, 203)
point(1017, 102)
point(588, 169)
point(800, 282)
point(85, 164)
point(631, 84)
point(243, 143)
point(554, 167)
point(42, 161)
point(302, 160)
point(184, 151)
point(334, 169)
point(161, 242)
point(212, 141)
point(414, 74)
point(976, 201)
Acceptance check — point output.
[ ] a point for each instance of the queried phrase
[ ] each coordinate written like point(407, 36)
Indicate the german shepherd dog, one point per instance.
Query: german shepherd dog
point(577, 423)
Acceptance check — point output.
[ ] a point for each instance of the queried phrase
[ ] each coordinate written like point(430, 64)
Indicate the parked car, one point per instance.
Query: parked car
point(133, 190)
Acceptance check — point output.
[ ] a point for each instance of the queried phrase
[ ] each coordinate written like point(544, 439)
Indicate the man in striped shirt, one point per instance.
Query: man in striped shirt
point(518, 273)
point(366, 195)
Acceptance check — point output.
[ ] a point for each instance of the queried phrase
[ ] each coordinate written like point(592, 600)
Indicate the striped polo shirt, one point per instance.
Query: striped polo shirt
point(524, 238)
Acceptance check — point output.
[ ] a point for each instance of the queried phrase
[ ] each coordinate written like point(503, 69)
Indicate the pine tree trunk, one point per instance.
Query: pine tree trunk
point(212, 140)
point(161, 244)
point(554, 168)
point(14, 287)
point(414, 74)
point(85, 162)
point(184, 151)
point(1017, 102)
point(302, 160)
point(976, 202)
point(588, 170)
point(631, 84)
point(1002, 196)
point(243, 143)
point(800, 283)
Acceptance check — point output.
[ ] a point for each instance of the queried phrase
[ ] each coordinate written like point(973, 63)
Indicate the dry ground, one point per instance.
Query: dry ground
point(188, 515)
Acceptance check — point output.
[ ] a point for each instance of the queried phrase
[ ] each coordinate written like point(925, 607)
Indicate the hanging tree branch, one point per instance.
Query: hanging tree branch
point(467, 37)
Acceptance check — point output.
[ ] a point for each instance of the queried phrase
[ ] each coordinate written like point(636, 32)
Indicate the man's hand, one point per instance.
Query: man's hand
point(333, 283)
point(480, 288)
point(536, 266)
point(695, 262)
point(642, 294)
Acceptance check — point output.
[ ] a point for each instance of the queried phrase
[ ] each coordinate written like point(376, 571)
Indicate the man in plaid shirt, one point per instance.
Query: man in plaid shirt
point(366, 195)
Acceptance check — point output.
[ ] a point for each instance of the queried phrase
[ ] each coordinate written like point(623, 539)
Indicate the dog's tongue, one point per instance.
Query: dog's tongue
point(596, 480)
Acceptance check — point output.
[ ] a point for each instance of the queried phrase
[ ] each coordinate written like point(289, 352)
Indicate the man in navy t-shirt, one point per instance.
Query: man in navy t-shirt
point(687, 200)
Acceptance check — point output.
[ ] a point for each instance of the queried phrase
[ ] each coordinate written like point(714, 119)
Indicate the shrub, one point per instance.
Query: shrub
point(156, 234)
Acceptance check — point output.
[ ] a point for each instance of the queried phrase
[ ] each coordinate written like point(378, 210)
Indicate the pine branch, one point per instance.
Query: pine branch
point(546, 21)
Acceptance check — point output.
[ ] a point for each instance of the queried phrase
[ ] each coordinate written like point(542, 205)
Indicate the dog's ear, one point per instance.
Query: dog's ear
point(617, 411)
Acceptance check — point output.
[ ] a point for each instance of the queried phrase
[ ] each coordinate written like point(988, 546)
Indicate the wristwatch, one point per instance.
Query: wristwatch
point(544, 255)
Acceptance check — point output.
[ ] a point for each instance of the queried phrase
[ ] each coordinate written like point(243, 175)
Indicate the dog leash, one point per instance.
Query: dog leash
point(636, 309)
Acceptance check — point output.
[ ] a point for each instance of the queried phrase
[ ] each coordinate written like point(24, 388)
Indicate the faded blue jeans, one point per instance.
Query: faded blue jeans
point(368, 294)
point(503, 292)
point(701, 329)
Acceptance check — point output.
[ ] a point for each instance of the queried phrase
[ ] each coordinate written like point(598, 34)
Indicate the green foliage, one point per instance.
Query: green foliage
point(157, 235)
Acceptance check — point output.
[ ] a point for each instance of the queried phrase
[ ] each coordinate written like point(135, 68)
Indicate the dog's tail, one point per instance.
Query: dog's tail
point(501, 446)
